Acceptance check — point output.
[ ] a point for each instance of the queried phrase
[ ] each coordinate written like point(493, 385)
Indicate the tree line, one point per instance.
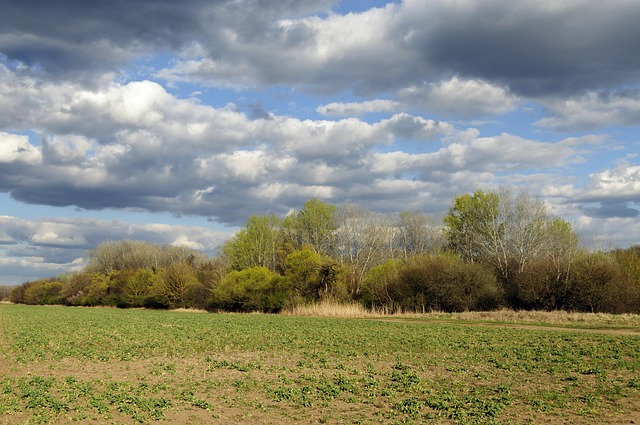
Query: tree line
point(491, 250)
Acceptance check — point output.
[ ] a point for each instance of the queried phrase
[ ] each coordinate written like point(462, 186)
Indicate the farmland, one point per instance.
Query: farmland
point(103, 365)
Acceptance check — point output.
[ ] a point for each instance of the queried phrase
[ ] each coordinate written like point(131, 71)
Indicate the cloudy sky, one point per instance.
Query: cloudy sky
point(172, 122)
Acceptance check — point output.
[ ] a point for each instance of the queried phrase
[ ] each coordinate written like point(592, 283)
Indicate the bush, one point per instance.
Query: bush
point(44, 291)
point(445, 283)
point(599, 285)
point(542, 284)
point(252, 289)
point(377, 285)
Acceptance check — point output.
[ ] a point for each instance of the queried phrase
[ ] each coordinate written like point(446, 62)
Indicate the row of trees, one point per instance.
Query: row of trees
point(493, 249)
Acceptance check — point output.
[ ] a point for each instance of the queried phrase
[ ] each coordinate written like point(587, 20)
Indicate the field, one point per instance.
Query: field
point(82, 365)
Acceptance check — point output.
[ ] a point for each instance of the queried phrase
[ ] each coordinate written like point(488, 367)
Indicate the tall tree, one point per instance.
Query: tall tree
point(314, 225)
point(255, 245)
point(504, 231)
point(362, 238)
point(417, 234)
point(472, 226)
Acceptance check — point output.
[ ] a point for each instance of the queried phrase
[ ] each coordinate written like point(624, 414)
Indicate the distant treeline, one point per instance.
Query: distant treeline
point(492, 250)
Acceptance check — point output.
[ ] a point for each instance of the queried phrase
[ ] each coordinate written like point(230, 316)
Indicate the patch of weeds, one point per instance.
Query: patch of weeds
point(225, 364)
point(404, 378)
point(410, 407)
point(131, 402)
point(36, 392)
point(163, 369)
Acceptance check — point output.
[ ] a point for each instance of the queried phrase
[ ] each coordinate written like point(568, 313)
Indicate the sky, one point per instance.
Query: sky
point(173, 122)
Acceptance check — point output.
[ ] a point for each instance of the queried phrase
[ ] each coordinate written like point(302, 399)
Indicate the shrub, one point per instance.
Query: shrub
point(445, 283)
point(252, 289)
point(542, 284)
point(599, 285)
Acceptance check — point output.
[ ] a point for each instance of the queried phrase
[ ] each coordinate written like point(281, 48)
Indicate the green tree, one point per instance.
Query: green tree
point(136, 286)
point(313, 276)
point(95, 293)
point(256, 245)
point(43, 291)
point(314, 225)
point(472, 226)
point(506, 232)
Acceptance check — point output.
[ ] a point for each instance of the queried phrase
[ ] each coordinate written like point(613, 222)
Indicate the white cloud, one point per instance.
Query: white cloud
point(457, 96)
point(493, 154)
point(621, 184)
point(592, 111)
point(16, 148)
point(341, 109)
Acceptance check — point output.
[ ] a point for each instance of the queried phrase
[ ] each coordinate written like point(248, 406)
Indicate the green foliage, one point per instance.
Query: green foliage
point(255, 245)
point(43, 291)
point(252, 289)
point(175, 284)
point(136, 286)
point(471, 225)
point(312, 276)
point(314, 225)
point(380, 280)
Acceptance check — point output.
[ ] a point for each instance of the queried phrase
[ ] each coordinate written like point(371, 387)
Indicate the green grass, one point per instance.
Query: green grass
point(135, 366)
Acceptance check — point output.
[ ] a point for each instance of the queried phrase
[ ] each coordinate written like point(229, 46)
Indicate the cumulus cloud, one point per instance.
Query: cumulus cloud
point(341, 109)
point(530, 48)
point(491, 154)
point(593, 110)
point(621, 184)
point(460, 97)
point(137, 146)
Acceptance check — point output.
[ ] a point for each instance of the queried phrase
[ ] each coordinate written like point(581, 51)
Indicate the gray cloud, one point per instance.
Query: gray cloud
point(593, 110)
point(618, 210)
point(531, 48)
point(70, 37)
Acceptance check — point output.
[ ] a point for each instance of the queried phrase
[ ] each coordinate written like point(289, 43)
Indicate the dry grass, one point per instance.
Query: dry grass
point(330, 308)
point(558, 317)
point(189, 310)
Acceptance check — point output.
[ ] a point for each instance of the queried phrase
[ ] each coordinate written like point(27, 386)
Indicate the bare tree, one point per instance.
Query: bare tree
point(417, 234)
point(362, 237)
